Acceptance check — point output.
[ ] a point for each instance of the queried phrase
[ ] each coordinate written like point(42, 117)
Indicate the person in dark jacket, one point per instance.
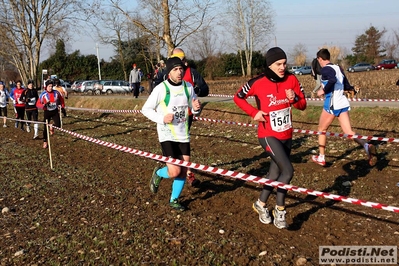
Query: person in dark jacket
point(316, 74)
point(30, 97)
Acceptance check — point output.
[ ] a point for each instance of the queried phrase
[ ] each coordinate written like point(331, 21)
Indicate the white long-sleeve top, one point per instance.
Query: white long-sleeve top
point(180, 101)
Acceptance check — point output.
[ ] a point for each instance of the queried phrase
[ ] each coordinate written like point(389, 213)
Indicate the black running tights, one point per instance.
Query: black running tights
point(281, 168)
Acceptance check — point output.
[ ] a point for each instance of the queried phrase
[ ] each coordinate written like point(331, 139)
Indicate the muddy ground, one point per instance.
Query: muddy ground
point(95, 207)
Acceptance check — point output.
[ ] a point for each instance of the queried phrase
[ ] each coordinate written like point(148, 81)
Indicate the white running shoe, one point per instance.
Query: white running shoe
point(264, 216)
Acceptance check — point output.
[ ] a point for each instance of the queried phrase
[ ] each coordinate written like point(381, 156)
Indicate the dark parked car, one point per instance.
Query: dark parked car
point(387, 64)
point(361, 67)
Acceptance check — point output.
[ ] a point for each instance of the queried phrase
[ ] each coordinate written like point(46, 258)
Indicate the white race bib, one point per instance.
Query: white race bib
point(281, 120)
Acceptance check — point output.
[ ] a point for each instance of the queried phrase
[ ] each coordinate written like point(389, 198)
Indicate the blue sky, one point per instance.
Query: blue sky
point(331, 22)
point(310, 22)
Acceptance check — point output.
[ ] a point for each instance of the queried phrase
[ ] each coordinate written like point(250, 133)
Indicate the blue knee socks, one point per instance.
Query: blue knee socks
point(177, 187)
point(163, 172)
point(178, 183)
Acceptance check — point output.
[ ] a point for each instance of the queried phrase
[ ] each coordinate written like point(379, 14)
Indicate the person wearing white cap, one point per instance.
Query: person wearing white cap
point(168, 106)
point(276, 92)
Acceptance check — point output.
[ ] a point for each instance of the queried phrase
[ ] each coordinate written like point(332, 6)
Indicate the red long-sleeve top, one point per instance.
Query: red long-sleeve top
point(270, 97)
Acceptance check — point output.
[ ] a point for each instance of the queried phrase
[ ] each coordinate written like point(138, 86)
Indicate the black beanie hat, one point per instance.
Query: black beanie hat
point(274, 54)
point(174, 62)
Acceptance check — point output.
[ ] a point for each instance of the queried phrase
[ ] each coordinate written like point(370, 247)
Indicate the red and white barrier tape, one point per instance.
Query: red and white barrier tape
point(232, 174)
point(21, 120)
point(103, 110)
point(318, 99)
point(309, 132)
point(358, 100)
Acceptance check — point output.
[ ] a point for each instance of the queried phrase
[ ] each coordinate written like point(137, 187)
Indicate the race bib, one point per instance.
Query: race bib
point(51, 106)
point(281, 120)
point(179, 114)
point(32, 101)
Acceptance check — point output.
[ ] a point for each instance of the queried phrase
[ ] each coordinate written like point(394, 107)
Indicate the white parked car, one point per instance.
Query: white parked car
point(116, 86)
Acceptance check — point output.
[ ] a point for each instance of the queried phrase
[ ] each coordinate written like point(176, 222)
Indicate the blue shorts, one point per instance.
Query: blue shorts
point(338, 112)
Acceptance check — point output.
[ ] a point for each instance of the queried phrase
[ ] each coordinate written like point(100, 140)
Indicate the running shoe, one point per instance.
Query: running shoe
point(191, 180)
point(176, 205)
point(371, 151)
point(51, 130)
point(264, 216)
point(35, 136)
point(16, 124)
point(155, 180)
point(45, 145)
point(4, 125)
point(318, 160)
point(28, 129)
point(279, 218)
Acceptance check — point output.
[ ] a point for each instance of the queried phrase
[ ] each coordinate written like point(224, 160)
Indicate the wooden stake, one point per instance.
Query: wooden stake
point(48, 144)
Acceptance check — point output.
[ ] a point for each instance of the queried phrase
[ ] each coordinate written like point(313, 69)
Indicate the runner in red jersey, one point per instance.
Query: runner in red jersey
point(275, 92)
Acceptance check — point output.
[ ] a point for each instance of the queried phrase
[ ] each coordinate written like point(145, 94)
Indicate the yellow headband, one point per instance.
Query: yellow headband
point(181, 55)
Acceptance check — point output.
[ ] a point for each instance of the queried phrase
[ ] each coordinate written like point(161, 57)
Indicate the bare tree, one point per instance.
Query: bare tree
point(251, 24)
point(112, 29)
point(204, 44)
point(391, 46)
point(299, 54)
point(396, 42)
point(179, 20)
point(26, 25)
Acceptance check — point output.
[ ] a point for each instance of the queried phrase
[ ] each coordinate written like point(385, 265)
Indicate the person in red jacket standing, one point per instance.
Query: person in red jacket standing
point(276, 91)
point(18, 104)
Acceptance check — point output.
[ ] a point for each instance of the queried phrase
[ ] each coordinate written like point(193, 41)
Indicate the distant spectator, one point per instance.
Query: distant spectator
point(160, 74)
point(134, 81)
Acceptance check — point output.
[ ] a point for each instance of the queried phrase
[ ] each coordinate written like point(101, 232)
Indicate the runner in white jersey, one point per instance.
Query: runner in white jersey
point(168, 106)
point(335, 105)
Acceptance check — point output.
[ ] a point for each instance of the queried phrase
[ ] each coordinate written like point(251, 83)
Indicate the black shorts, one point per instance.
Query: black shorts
point(3, 111)
point(175, 149)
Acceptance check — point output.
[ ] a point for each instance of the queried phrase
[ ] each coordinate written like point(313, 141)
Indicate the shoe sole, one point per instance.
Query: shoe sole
point(254, 208)
point(373, 155)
